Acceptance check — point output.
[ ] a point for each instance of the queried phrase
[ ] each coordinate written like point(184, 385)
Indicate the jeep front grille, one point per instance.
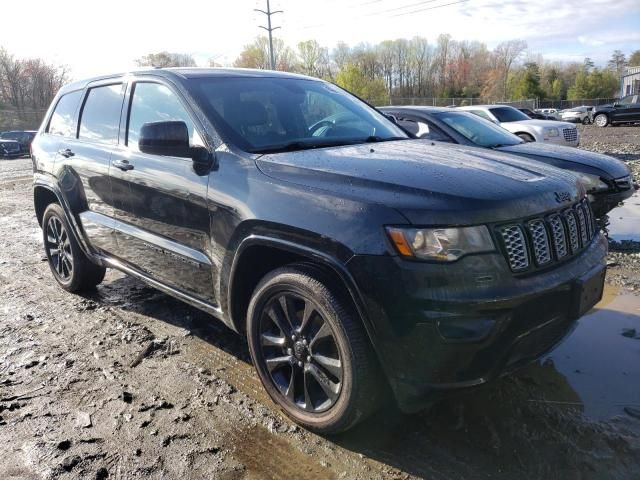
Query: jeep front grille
point(570, 134)
point(515, 245)
point(542, 241)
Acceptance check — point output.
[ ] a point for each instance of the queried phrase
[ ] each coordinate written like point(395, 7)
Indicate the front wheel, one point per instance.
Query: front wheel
point(601, 120)
point(69, 265)
point(311, 352)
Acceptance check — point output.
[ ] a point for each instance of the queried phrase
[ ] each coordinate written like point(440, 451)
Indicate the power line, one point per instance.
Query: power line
point(429, 8)
point(269, 29)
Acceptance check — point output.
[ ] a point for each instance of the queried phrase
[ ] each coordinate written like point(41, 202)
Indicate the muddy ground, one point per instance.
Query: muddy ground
point(127, 382)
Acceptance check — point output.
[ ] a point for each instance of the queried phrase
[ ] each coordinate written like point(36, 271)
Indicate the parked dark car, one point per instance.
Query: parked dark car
point(352, 256)
point(607, 180)
point(535, 115)
point(626, 110)
point(23, 137)
point(9, 149)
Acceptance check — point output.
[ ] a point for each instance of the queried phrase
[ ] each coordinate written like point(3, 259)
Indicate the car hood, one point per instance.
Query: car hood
point(540, 124)
point(430, 183)
point(570, 158)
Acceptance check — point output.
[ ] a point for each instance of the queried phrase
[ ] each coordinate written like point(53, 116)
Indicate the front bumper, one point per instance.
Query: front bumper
point(439, 328)
point(560, 140)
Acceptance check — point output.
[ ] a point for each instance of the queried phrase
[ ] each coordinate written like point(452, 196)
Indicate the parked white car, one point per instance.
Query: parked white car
point(551, 112)
point(576, 115)
point(512, 119)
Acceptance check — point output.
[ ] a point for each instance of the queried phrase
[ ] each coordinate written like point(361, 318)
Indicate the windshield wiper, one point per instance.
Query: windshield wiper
point(298, 145)
point(376, 138)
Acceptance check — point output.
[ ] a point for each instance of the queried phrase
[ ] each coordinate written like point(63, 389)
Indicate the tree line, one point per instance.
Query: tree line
point(29, 85)
point(447, 68)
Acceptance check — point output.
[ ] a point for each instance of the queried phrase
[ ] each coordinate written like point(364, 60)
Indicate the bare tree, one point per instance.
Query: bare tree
point(166, 59)
point(506, 54)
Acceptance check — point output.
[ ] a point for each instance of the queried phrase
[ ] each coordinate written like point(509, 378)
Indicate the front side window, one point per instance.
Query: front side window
point(154, 102)
point(100, 118)
point(481, 132)
point(508, 114)
point(62, 120)
point(262, 115)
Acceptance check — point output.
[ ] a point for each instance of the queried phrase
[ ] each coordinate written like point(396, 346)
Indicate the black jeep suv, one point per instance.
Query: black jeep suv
point(353, 257)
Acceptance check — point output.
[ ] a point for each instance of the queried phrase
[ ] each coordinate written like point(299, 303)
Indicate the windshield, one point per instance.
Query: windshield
point(480, 131)
point(262, 115)
point(508, 114)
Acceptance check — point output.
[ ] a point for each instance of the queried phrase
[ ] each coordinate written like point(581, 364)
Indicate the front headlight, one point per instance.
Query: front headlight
point(552, 132)
point(592, 183)
point(441, 244)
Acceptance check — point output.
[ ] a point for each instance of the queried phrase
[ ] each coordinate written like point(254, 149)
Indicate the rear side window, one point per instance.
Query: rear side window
point(100, 119)
point(62, 121)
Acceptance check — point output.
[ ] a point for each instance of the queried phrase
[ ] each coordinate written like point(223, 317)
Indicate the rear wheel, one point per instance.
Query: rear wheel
point(586, 121)
point(601, 120)
point(311, 352)
point(70, 266)
point(526, 137)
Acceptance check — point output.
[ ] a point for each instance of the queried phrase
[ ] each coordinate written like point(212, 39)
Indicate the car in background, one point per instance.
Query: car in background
point(626, 110)
point(535, 115)
point(608, 181)
point(549, 112)
point(9, 149)
point(529, 130)
point(23, 137)
point(577, 115)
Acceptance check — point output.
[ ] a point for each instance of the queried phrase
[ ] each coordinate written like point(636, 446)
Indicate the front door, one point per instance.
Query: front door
point(628, 109)
point(162, 220)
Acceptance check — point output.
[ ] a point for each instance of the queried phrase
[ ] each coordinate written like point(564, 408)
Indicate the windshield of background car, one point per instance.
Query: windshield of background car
point(481, 132)
point(508, 114)
point(262, 115)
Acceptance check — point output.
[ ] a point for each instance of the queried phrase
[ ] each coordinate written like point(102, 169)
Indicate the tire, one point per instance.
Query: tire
point(601, 120)
point(586, 121)
point(526, 137)
point(72, 270)
point(329, 352)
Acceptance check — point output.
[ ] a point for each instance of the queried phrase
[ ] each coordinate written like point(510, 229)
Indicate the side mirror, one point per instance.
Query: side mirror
point(616, 104)
point(171, 139)
point(391, 117)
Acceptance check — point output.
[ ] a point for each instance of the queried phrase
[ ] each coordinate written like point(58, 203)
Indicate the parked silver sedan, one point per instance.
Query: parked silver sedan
point(576, 115)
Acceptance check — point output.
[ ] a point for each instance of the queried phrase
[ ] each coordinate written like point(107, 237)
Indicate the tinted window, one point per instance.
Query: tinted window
point(153, 102)
point(508, 114)
point(482, 113)
point(100, 117)
point(62, 120)
point(480, 131)
point(271, 114)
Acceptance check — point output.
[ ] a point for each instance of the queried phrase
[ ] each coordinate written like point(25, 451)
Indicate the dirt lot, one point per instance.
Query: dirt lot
point(127, 382)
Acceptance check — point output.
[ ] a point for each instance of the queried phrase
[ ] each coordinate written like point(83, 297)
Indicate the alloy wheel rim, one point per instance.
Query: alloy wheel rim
point(59, 248)
point(300, 352)
point(601, 120)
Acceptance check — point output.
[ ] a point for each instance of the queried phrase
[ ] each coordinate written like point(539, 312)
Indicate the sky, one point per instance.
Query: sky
point(94, 37)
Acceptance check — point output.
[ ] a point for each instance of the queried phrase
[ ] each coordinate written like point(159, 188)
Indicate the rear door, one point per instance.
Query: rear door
point(162, 220)
point(83, 162)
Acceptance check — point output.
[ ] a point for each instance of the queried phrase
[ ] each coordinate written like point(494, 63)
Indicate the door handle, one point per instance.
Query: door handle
point(66, 153)
point(123, 165)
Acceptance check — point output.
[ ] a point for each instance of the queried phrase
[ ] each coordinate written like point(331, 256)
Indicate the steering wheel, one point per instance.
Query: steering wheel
point(318, 125)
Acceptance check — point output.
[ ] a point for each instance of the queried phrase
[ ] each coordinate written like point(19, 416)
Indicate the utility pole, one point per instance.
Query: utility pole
point(269, 29)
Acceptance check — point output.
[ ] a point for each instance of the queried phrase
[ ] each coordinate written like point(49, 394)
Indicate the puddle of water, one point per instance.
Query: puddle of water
point(624, 221)
point(600, 364)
